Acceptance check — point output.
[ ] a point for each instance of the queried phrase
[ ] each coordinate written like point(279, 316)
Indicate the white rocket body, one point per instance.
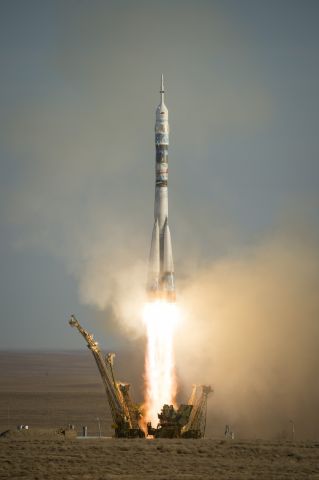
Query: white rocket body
point(160, 283)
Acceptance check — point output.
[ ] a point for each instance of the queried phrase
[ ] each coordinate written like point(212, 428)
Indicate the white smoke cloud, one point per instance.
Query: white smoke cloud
point(251, 330)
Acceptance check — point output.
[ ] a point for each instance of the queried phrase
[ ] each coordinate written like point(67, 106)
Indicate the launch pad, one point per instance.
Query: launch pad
point(187, 421)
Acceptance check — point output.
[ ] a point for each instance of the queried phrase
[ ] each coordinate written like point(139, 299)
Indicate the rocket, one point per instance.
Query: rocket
point(160, 281)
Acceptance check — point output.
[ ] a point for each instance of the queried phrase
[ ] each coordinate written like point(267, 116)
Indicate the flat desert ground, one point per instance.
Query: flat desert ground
point(49, 390)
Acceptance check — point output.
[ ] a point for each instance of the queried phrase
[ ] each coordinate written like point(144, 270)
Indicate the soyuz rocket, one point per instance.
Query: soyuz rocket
point(160, 281)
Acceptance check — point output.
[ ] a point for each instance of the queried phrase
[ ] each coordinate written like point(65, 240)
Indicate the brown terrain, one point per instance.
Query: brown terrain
point(47, 391)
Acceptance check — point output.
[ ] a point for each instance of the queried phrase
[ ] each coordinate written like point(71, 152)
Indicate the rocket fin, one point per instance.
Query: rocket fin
point(167, 280)
point(168, 265)
point(154, 260)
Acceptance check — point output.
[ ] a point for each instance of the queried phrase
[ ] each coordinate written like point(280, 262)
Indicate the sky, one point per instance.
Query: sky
point(79, 88)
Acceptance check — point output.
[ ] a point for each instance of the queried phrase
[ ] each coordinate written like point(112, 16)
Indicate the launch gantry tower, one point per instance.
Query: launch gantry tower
point(125, 413)
point(196, 426)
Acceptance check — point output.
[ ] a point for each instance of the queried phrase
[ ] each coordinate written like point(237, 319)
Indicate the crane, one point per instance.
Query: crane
point(195, 428)
point(124, 413)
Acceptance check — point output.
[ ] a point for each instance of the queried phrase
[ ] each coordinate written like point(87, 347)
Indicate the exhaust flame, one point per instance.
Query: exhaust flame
point(160, 319)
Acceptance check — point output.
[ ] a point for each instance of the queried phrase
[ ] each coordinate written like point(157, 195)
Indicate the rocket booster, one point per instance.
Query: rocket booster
point(160, 282)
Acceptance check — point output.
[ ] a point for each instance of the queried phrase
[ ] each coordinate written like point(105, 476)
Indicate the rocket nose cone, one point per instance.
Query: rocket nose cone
point(162, 111)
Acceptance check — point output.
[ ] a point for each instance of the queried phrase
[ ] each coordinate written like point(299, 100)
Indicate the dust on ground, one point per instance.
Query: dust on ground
point(157, 459)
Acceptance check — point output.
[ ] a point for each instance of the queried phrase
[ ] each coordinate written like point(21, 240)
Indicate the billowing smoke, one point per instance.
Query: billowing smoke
point(116, 281)
point(251, 330)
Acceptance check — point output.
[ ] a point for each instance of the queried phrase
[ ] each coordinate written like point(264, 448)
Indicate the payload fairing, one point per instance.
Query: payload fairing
point(161, 283)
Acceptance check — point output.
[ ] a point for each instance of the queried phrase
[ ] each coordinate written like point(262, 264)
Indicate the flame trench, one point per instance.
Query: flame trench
point(160, 320)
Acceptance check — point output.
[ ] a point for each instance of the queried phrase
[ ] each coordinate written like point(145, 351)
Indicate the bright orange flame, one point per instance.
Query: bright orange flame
point(160, 318)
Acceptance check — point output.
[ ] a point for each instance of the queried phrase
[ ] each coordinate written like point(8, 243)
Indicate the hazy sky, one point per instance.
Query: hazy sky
point(79, 88)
